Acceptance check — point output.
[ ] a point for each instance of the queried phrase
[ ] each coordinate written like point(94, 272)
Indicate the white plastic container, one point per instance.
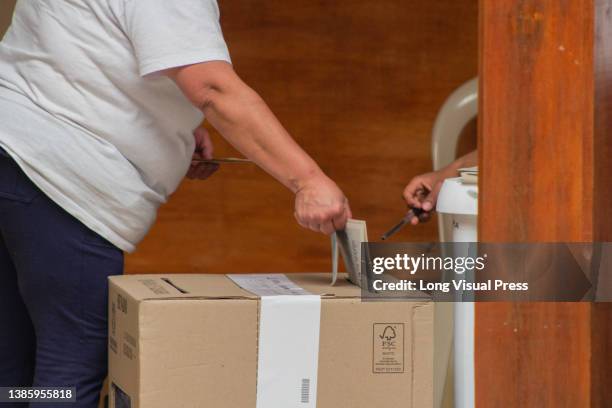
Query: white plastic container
point(460, 202)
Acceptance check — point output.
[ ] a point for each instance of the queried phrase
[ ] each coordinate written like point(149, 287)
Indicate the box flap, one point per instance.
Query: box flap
point(179, 286)
point(173, 286)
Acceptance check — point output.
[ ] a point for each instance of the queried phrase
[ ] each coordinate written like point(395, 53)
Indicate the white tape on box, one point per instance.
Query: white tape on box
point(288, 351)
point(289, 328)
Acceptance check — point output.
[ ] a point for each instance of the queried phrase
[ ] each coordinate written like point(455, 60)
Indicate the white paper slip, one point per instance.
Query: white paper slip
point(272, 284)
point(224, 160)
point(334, 246)
point(349, 245)
point(288, 360)
point(468, 169)
point(469, 175)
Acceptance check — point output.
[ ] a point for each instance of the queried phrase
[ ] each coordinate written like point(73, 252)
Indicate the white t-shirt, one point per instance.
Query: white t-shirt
point(82, 117)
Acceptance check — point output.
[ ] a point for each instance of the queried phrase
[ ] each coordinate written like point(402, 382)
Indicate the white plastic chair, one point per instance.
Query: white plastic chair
point(459, 109)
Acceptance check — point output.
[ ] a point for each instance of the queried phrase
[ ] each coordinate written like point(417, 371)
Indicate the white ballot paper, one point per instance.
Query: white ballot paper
point(270, 284)
point(348, 243)
point(469, 175)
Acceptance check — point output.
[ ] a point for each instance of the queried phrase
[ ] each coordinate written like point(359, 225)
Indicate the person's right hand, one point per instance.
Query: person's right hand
point(321, 206)
point(203, 150)
point(422, 193)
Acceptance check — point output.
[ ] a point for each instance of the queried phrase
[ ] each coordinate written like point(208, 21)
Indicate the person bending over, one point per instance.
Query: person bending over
point(99, 100)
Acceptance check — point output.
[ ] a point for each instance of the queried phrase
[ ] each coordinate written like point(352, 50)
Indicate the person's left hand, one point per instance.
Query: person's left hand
point(203, 150)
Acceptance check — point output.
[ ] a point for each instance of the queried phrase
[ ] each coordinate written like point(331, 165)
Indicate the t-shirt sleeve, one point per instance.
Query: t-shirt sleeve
point(172, 33)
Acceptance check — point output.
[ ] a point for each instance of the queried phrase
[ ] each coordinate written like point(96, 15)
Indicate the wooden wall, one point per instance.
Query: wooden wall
point(545, 143)
point(358, 83)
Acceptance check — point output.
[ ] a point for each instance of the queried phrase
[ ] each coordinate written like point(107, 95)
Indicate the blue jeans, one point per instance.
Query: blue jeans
point(53, 293)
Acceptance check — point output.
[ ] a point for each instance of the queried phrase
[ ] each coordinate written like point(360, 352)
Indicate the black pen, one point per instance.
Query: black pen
point(414, 212)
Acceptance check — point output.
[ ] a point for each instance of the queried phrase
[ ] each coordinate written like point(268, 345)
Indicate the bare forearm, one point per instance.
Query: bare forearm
point(469, 160)
point(244, 119)
point(246, 122)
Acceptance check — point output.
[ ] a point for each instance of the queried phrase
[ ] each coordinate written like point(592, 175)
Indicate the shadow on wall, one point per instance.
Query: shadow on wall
point(6, 12)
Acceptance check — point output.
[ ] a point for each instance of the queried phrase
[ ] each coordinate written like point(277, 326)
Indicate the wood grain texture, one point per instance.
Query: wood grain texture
point(601, 314)
point(537, 127)
point(468, 140)
point(533, 355)
point(602, 198)
point(358, 84)
point(541, 140)
point(601, 344)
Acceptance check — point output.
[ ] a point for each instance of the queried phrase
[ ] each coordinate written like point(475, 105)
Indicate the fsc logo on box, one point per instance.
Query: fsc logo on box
point(388, 348)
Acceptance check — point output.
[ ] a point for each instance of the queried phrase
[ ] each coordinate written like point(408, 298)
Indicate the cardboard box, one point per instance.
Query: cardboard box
point(192, 341)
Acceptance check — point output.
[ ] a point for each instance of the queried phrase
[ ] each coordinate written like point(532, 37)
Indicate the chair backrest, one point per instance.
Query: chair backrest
point(458, 110)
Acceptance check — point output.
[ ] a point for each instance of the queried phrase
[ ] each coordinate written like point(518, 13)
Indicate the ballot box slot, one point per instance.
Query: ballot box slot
point(175, 286)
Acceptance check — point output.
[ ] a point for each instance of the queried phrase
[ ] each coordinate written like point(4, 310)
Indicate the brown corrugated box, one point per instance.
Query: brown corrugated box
point(192, 341)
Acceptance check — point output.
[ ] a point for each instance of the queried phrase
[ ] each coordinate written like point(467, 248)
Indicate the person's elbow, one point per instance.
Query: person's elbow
point(207, 84)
